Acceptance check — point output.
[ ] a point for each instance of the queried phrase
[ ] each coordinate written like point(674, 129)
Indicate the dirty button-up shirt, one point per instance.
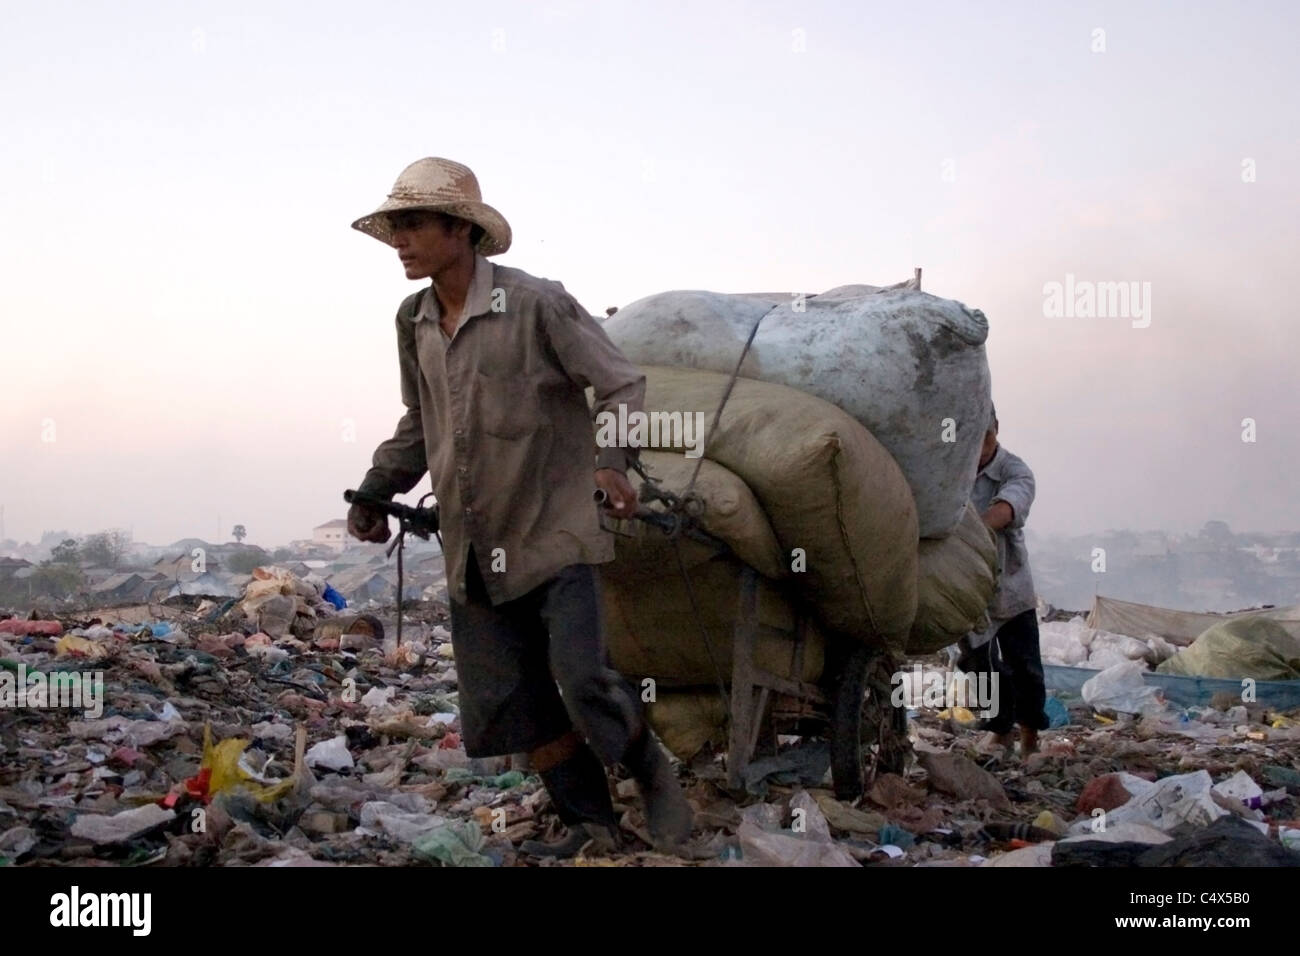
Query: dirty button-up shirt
point(498, 416)
point(1007, 478)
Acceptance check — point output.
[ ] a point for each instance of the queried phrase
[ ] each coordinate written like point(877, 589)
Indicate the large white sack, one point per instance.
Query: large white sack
point(1103, 656)
point(908, 365)
point(1058, 643)
point(1129, 648)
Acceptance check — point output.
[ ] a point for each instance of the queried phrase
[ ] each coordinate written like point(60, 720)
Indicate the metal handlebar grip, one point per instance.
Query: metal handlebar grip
point(420, 521)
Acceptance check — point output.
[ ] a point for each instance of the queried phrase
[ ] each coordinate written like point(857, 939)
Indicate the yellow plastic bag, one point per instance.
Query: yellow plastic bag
point(959, 714)
point(71, 644)
point(225, 773)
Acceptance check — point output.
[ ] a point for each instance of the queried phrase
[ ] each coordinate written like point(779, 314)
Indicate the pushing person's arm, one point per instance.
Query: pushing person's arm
point(399, 462)
point(998, 516)
point(1010, 505)
point(590, 359)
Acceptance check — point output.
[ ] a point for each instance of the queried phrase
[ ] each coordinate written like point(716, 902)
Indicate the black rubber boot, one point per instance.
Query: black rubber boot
point(579, 792)
point(668, 816)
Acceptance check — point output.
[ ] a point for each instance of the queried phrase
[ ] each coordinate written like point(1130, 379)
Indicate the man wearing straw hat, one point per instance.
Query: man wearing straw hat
point(494, 363)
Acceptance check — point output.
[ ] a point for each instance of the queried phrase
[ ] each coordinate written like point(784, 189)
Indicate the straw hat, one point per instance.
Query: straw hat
point(440, 185)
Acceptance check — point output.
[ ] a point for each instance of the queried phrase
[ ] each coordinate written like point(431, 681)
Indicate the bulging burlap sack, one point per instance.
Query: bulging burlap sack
point(837, 501)
point(687, 720)
point(653, 629)
point(731, 513)
point(956, 578)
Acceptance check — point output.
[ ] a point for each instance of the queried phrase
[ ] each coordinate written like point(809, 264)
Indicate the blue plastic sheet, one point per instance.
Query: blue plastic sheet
point(1183, 691)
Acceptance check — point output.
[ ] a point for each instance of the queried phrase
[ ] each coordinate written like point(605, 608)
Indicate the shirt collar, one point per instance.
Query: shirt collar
point(478, 298)
point(994, 462)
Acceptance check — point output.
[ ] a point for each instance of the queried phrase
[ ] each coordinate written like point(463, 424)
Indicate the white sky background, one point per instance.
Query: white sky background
point(183, 297)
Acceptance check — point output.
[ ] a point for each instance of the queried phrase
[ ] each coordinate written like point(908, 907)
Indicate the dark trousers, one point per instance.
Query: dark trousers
point(1014, 656)
point(532, 669)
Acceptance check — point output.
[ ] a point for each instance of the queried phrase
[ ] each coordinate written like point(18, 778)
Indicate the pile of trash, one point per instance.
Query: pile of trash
point(1201, 788)
point(165, 736)
point(178, 741)
point(278, 601)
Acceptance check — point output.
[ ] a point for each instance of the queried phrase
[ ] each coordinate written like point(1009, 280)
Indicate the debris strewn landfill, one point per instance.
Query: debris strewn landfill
point(218, 743)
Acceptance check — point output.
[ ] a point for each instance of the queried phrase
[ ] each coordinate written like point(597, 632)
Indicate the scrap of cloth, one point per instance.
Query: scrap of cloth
point(1007, 478)
point(498, 416)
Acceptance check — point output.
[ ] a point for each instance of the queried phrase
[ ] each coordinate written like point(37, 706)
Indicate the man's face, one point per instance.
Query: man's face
point(989, 447)
point(427, 243)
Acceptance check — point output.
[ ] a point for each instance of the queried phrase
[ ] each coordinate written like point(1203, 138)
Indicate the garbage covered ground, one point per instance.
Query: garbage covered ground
point(329, 744)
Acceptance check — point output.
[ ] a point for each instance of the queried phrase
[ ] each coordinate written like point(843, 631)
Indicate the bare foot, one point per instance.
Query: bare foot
point(1028, 742)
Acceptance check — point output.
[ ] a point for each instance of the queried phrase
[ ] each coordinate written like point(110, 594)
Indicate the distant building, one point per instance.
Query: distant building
point(93, 575)
point(363, 584)
point(11, 566)
point(182, 567)
point(305, 549)
point(331, 534)
point(128, 586)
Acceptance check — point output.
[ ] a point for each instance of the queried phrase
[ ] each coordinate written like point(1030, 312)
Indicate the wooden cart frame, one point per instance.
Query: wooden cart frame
point(867, 733)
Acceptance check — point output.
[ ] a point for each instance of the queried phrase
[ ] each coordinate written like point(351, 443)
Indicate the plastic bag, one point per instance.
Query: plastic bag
point(331, 754)
point(1120, 688)
point(806, 843)
point(453, 844)
point(1057, 713)
point(223, 769)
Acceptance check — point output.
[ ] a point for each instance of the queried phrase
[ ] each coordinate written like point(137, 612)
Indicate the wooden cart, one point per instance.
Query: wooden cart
point(851, 704)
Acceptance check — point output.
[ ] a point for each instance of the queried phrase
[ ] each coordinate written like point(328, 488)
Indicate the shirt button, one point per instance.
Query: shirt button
point(463, 470)
point(468, 512)
point(459, 432)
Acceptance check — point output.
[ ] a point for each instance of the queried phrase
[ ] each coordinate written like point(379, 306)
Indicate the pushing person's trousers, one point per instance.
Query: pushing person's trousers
point(1012, 655)
point(533, 669)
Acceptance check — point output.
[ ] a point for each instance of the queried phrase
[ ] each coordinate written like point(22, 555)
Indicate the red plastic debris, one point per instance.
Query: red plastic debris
point(1106, 792)
point(23, 628)
point(125, 757)
point(197, 786)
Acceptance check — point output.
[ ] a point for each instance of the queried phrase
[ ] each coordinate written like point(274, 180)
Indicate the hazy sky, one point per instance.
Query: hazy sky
point(188, 316)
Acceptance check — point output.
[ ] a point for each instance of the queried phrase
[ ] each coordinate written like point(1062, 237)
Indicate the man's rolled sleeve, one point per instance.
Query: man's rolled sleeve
point(1017, 490)
point(400, 462)
point(592, 360)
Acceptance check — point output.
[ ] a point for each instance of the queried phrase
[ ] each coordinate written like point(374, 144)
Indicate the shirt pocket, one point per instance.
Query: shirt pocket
point(507, 408)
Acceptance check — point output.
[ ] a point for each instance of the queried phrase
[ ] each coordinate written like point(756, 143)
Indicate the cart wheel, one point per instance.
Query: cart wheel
point(868, 734)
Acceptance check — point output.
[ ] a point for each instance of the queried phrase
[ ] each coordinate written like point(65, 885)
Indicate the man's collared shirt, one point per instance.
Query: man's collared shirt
point(479, 291)
point(1007, 478)
point(498, 416)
